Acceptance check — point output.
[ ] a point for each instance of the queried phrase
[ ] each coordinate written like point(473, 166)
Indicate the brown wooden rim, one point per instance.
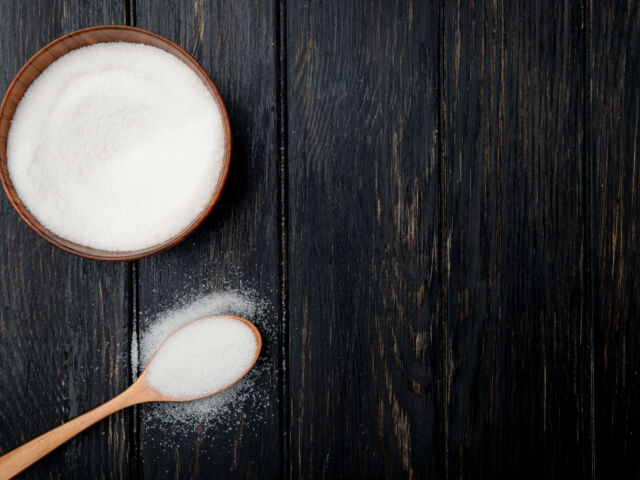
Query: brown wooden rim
point(82, 250)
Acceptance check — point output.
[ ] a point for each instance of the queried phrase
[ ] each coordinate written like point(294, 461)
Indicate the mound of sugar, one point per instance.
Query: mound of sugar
point(202, 357)
point(116, 146)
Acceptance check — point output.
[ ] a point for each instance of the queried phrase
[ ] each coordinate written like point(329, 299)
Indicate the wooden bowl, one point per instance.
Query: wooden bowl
point(35, 66)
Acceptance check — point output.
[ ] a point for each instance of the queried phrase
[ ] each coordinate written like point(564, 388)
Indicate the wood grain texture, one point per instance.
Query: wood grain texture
point(238, 244)
point(459, 186)
point(64, 325)
point(518, 399)
point(363, 177)
point(614, 111)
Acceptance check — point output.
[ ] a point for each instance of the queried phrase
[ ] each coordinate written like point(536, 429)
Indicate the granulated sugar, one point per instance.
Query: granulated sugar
point(116, 146)
point(202, 357)
point(222, 409)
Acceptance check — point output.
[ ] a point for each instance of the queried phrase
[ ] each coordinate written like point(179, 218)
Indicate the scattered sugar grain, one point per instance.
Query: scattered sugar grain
point(162, 325)
point(116, 146)
point(225, 408)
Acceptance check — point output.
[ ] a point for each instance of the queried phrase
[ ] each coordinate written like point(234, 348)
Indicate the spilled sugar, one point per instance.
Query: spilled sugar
point(222, 409)
point(203, 357)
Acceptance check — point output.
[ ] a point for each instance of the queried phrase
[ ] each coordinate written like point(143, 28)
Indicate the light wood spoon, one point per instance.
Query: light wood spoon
point(26, 455)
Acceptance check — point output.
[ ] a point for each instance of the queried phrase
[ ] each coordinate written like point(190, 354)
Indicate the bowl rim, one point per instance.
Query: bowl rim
point(83, 250)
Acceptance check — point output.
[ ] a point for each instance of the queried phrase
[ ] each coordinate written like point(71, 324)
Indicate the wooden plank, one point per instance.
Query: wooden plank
point(518, 396)
point(614, 111)
point(64, 321)
point(234, 42)
point(364, 336)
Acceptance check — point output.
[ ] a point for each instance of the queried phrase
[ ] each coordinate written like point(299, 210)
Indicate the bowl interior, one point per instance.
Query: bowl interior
point(42, 60)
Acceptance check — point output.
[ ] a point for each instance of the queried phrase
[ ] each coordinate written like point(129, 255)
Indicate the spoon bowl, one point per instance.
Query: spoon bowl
point(141, 391)
point(159, 397)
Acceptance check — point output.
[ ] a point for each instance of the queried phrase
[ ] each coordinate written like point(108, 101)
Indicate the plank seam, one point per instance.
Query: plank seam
point(134, 333)
point(127, 12)
point(130, 12)
point(588, 277)
point(442, 307)
point(283, 230)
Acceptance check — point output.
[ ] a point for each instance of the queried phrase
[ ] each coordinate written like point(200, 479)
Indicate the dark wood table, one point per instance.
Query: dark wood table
point(439, 200)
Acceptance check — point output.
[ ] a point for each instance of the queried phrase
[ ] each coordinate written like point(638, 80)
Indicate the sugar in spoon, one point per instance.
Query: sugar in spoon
point(201, 358)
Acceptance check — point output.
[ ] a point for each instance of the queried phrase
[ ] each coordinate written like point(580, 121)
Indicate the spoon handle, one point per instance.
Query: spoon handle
point(26, 455)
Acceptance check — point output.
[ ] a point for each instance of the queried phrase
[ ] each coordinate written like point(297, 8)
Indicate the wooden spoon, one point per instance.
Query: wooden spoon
point(26, 455)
